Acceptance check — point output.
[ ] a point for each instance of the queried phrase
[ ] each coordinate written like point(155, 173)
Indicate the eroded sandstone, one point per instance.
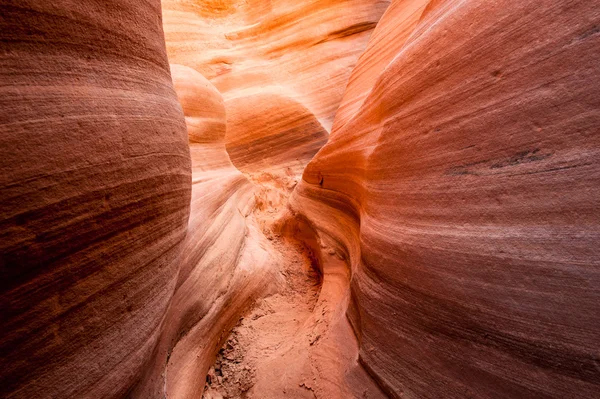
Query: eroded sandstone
point(441, 243)
point(465, 186)
point(95, 195)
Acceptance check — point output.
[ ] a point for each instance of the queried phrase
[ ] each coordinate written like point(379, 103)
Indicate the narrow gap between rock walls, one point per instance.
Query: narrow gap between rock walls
point(265, 335)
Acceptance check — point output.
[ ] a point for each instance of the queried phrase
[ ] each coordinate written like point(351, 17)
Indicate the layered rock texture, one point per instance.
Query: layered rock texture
point(402, 208)
point(95, 195)
point(461, 181)
point(304, 50)
point(226, 261)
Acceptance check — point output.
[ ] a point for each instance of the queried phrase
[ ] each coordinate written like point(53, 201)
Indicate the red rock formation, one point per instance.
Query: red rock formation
point(385, 43)
point(95, 190)
point(270, 132)
point(452, 216)
point(305, 50)
point(464, 189)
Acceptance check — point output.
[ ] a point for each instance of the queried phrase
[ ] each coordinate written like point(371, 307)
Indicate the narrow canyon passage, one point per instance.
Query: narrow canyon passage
point(330, 199)
point(282, 290)
point(295, 341)
point(269, 267)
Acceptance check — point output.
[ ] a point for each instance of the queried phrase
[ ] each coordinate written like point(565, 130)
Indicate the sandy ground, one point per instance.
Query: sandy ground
point(296, 343)
point(268, 334)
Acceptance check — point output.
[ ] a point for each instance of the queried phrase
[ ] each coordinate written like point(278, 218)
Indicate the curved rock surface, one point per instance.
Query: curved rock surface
point(385, 43)
point(268, 131)
point(95, 193)
point(443, 243)
point(463, 187)
point(227, 262)
point(306, 49)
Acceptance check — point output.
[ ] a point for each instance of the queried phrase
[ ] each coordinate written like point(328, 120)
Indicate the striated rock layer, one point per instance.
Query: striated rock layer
point(95, 195)
point(305, 50)
point(453, 213)
point(462, 184)
point(227, 262)
point(271, 132)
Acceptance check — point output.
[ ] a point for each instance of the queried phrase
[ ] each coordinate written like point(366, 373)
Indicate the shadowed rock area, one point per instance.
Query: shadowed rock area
point(300, 199)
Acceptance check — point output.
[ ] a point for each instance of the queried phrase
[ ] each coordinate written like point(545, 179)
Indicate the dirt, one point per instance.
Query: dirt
point(264, 337)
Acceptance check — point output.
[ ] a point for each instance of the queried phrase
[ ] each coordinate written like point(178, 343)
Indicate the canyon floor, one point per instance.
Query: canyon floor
point(295, 342)
point(264, 341)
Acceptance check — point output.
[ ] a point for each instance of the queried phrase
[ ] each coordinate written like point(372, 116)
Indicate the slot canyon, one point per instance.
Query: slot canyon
point(300, 199)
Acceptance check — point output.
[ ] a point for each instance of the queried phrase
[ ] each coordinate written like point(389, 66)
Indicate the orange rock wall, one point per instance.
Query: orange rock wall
point(304, 50)
point(95, 195)
point(271, 132)
point(462, 183)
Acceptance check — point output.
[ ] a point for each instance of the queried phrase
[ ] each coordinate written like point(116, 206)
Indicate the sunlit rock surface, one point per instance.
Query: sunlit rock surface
point(281, 68)
point(306, 49)
point(268, 132)
point(463, 187)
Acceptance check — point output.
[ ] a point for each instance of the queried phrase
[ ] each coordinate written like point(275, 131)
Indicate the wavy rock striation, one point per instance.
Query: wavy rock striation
point(271, 132)
point(227, 262)
point(95, 195)
point(461, 182)
point(452, 214)
point(303, 49)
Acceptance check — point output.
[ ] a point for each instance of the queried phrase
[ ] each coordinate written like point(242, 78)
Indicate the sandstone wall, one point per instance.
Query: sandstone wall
point(305, 50)
point(95, 194)
point(462, 183)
